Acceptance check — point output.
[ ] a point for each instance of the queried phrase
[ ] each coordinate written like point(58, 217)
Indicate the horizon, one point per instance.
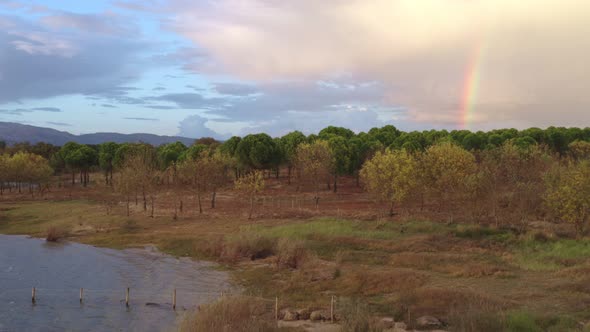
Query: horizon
point(220, 69)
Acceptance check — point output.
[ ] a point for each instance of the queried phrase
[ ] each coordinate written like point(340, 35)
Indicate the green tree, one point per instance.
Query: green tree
point(289, 144)
point(390, 176)
point(106, 160)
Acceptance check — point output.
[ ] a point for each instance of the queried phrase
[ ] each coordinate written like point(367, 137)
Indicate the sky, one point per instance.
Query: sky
point(232, 67)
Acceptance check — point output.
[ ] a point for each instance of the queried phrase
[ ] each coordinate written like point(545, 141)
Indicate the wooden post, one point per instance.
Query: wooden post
point(277, 308)
point(33, 295)
point(332, 309)
point(127, 297)
point(174, 299)
point(81, 294)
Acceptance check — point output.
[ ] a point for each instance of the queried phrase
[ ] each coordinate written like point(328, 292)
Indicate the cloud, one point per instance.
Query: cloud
point(61, 124)
point(21, 111)
point(108, 106)
point(41, 62)
point(141, 119)
point(108, 23)
point(235, 89)
point(194, 126)
point(528, 53)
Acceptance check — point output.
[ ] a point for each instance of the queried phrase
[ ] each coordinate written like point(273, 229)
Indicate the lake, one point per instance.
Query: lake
point(59, 270)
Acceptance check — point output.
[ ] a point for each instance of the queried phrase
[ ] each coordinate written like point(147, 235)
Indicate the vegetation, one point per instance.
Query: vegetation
point(486, 231)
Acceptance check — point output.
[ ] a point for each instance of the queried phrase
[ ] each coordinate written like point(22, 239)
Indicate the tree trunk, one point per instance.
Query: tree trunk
point(73, 178)
point(251, 206)
point(289, 175)
point(127, 205)
point(181, 205)
point(199, 199)
point(391, 209)
point(213, 198)
point(144, 200)
point(152, 210)
point(335, 182)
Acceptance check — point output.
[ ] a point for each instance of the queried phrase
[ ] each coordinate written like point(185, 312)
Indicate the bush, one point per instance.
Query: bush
point(232, 313)
point(248, 245)
point(356, 317)
point(54, 234)
point(290, 253)
point(520, 321)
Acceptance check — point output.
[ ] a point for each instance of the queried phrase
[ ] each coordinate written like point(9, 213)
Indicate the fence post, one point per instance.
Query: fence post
point(174, 299)
point(81, 294)
point(127, 297)
point(33, 295)
point(277, 308)
point(332, 309)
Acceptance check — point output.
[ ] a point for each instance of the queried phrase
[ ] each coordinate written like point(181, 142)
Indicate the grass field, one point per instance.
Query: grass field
point(473, 277)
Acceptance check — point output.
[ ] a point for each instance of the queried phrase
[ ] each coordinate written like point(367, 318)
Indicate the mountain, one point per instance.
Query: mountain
point(11, 133)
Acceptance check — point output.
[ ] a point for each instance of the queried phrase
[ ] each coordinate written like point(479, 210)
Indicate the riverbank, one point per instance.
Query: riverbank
point(465, 275)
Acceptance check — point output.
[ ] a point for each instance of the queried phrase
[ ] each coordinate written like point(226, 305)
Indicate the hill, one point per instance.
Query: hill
point(15, 132)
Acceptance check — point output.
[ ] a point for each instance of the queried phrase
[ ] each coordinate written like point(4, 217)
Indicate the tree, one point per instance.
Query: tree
point(250, 184)
point(335, 131)
point(390, 176)
point(289, 144)
point(579, 150)
point(568, 193)
point(446, 167)
point(314, 162)
point(106, 160)
point(341, 154)
point(257, 151)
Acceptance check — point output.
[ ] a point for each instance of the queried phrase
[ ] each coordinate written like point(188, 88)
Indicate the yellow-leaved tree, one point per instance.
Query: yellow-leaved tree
point(446, 168)
point(390, 176)
point(250, 184)
point(568, 193)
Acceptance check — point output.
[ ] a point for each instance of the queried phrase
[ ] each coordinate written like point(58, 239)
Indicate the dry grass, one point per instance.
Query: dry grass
point(232, 314)
point(290, 253)
point(54, 234)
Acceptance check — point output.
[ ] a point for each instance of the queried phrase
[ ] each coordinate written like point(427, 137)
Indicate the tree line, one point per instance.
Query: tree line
point(502, 174)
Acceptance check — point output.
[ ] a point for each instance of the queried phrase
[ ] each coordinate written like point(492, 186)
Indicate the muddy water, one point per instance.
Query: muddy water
point(59, 270)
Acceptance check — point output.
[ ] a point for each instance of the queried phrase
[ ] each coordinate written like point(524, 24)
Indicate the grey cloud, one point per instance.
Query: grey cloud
point(46, 109)
point(21, 111)
point(61, 124)
point(108, 106)
point(159, 88)
point(141, 119)
point(189, 100)
point(86, 71)
point(235, 89)
point(161, 107)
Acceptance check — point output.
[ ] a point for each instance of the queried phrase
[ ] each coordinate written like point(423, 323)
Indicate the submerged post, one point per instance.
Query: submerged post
point(127, 297)
point(81, 294)
point(174, 299)
point(33, 295)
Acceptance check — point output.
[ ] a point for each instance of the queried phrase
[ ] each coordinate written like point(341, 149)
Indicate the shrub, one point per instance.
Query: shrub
point(248, 245)
point(290, 253)
point(520, 321)
point(232, 313)
point(54, 234)
point(356, 317)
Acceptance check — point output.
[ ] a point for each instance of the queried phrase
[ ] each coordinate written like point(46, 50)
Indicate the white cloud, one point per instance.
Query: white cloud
point(533, 52)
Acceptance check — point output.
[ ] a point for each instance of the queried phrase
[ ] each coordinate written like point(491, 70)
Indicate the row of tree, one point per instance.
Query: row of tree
point(24, 170)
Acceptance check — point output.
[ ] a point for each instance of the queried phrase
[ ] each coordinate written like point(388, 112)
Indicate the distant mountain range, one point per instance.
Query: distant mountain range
point(11, 133)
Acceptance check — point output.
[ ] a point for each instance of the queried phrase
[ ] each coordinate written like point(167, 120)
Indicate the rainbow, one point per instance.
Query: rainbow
point(470, 87)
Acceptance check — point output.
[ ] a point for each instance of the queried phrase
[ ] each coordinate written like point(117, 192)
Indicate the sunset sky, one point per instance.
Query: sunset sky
point(232, 67)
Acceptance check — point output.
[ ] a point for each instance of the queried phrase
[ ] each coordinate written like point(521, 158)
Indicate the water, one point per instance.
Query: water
point(59, 270)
